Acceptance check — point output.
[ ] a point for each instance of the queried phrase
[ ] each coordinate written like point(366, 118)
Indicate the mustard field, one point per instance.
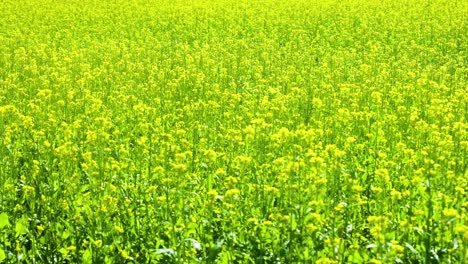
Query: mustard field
point(234, 131)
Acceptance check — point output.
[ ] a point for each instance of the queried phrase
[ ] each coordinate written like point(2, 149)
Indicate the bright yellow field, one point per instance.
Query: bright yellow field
point(233, 131)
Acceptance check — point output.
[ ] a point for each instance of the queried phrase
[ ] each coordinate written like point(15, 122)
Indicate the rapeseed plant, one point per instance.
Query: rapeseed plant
point(233, 131)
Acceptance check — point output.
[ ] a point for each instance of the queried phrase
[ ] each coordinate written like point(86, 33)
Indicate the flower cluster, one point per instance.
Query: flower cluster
point(233, 131)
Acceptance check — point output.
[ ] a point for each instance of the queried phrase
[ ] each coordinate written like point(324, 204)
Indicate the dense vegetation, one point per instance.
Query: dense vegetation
point(233, 131)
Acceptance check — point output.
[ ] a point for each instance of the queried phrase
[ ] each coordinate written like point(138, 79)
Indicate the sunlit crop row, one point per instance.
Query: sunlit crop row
point(233, 131)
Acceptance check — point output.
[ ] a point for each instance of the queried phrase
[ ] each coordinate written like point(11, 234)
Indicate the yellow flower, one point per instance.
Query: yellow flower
point(71, 248)
point(40, 228)
point(396, 195)
point(450, 212)
point(463, 231)
point(326, 261)
point(341, 207)
point(118, 229)
point(252, 220)
point(232, 193)
point(383, 174)
point(357, 188)
point(124, 254)
point(350, 140)
point(311, 227)
point(399, 250)
point(211, 155)
point(98, 243)
point(179, 167)
point(213, 193)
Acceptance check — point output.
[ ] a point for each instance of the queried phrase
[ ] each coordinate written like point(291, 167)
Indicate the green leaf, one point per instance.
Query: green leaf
point(87, 257)
point(65, 234)
point(21, 226)
point(357, 257)
point(20, 229)
point(2, 255)
point(64, 252)
point(411, 248)
point(4, 220)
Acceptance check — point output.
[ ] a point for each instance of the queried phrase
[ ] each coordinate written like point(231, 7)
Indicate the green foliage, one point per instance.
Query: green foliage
point(233, 131)
point(4, 221)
